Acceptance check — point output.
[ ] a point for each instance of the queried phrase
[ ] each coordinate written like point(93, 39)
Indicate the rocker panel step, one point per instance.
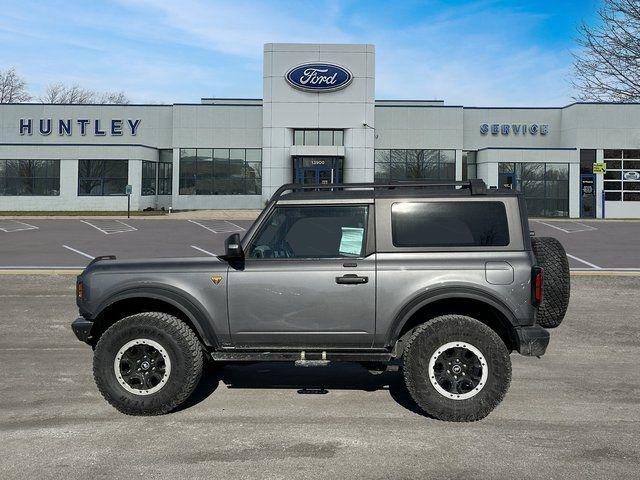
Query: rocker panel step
point(293, 356)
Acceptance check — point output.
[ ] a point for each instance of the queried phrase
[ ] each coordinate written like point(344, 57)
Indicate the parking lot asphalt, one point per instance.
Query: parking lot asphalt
point(573, 414)
point(72, 242)
point(595, 244)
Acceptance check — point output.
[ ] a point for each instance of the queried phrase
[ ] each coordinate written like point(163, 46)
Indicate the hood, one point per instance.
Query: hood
point(110, 264)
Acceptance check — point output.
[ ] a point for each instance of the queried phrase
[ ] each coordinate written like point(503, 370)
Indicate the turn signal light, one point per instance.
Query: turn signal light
point(79, 290)
point(537, 280)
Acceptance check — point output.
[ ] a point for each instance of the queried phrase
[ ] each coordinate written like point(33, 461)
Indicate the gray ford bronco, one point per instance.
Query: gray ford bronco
point(444, 280)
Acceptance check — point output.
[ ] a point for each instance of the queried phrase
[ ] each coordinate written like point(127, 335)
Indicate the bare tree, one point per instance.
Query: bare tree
point(13, 89)
point(75, 94)
point(607, 67)
point(119, 98)
point(61, 93)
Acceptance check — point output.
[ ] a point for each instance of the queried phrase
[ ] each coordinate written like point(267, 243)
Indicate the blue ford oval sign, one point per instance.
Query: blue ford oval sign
point(319, 77)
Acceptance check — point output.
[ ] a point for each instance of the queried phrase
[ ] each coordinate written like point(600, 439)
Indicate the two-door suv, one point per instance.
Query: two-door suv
point(444, 279)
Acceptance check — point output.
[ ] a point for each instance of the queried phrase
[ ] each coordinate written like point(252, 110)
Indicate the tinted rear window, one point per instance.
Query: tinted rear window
point(449, 224)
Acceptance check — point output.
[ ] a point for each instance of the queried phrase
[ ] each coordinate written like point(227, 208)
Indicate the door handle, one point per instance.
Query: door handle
point(351, 279)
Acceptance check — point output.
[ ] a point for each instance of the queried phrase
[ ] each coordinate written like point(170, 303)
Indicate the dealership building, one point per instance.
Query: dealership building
point(318, 122)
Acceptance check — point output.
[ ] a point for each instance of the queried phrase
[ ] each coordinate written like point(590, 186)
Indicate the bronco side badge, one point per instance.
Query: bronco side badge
point(216, 279)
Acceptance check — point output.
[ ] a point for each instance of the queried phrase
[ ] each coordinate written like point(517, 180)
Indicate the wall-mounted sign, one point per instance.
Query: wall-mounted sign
point(600, 167)
point(319, 77)
point(631, 175)
point(514, 128)
point(68, 127)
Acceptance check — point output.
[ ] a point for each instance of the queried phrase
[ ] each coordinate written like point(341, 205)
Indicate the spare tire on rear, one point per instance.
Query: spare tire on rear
point(551, 256)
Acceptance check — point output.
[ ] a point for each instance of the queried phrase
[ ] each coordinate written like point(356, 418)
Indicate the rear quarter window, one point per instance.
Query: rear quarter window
point(449, 224)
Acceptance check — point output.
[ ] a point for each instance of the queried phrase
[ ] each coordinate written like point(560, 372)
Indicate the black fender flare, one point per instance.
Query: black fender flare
point(189, 306)
point(444, 293)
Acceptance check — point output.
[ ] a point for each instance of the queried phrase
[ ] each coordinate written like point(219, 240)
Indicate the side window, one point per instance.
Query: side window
point(449, 224)
point(312, 232)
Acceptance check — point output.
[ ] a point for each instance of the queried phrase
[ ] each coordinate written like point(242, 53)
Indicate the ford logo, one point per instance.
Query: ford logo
point(631, 175)
point(319, 77)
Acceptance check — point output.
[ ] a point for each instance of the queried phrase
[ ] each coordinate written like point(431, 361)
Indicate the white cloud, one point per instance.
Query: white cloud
point(463, 54)
point(480, 53)
point(241, 28)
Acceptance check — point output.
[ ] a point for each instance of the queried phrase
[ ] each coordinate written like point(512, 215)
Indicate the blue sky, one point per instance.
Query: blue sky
point(472, 53)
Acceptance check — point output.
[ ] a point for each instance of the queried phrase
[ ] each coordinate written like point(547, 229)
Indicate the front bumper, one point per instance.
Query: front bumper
point(533, 340)
point(82, 328)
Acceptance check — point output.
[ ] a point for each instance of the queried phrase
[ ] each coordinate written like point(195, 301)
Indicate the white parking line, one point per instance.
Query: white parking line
point(78, 252)
point(203, 226)
point(585, 262)
point(587, 228)
point(237, 226)
point(110, 226)
point(9, 226)
point(204, 251)
point(219, 226)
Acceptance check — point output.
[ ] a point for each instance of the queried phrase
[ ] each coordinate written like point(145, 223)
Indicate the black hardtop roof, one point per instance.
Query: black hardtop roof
point(352, 191)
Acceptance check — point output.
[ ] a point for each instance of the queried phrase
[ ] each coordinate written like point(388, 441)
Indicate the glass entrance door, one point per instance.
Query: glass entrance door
point(507, 180)
point(317, 170)
point(318, 175)
point(325, 176)
point(587, 195)
point(310, 176)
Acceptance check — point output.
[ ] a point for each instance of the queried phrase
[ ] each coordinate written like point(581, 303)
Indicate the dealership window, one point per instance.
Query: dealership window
point(102, 177)
point(318, 137)
point(165, 172)
point(401, 165)
point(165, 178)
point(149, 174)
point(469, 164)
point(29, 177)
point(220, 171)
point(545, 186)
point(449, 224)
point(622, 179)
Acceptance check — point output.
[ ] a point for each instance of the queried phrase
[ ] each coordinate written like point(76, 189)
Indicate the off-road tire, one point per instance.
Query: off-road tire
point(551, 256)
point(424, 343)
point(175, 337)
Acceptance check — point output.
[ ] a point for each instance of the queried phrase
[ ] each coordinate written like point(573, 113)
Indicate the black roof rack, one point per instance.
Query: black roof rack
point(475, 186)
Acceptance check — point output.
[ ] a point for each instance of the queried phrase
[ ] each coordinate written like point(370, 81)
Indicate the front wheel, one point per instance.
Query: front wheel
point(147, 364)
point(456, 368)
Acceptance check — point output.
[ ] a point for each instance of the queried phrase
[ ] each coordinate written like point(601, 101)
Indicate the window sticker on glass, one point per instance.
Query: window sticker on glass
point(351, 241)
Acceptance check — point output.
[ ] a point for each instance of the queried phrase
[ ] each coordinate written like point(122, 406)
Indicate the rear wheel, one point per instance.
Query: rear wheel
point(147, 364)
point(456, 368)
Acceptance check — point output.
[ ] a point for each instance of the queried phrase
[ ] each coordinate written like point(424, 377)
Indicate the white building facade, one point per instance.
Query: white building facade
point(318, 122)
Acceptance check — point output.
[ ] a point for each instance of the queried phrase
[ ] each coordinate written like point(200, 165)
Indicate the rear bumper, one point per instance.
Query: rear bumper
point(533, 340)
point(82, 328)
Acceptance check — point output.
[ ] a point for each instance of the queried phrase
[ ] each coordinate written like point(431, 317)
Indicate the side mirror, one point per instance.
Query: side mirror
point(233, 248)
